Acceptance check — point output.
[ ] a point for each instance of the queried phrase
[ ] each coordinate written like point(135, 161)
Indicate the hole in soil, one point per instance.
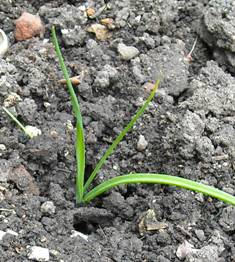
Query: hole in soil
point(181, 97)
point(84, 227)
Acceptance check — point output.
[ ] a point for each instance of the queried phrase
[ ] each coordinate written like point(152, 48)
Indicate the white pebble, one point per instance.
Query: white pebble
point(127, 52)
point(142, 143)
point(184, 250)
point(77, 233)
point(33, 131)
point(48, 207)
point(2, 147)
point(39, 253)
point(4, 44)
point(8, 231)
point(2, 234)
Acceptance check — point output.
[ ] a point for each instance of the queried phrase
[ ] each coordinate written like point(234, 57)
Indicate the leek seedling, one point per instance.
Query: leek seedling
point(83, 195)
point(25, 130)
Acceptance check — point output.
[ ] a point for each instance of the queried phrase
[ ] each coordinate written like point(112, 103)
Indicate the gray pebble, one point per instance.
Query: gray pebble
point(127, 52)
point(48, 207)
point(200, 234)
point(39, 253)
point(142, 143)
point(184, 250)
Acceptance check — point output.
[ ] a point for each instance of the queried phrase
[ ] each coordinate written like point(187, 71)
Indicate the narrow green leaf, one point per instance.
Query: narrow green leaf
point(17, 122)
point(80, 143)
point(159, 179)
point(119, 138)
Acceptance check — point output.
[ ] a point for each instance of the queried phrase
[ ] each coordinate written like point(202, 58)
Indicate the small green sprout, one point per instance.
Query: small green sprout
point(83, 194)
point(24, 128)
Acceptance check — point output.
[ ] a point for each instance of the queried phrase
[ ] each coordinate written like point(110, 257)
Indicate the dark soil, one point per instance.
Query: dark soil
point(189, 127)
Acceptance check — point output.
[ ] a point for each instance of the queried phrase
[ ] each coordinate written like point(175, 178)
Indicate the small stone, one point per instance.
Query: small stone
point(149, 87)
point(4, 45)
point(127, 52)
point(2, 234)
point(48, 207)
point(11, 100)
point(79, 234)
point(46, 104)
point(108, 22)
point(28, 26)
point(8, 231)
point(2, 148)
point(39, 253)
point(33, 131)
point(100, 31)
point(90, 11)
point(199, 197)
point(200, 234)
point(115, 167)
point(2, 196)
point(55, 253)
point(184, 250)
point(142, 143)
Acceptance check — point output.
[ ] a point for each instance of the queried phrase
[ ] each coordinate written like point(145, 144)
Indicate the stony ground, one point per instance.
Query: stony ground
point(188, 130)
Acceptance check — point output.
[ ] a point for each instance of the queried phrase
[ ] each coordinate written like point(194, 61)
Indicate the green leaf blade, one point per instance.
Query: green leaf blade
point(119, 138)
point(80, 141)
point(159, 179)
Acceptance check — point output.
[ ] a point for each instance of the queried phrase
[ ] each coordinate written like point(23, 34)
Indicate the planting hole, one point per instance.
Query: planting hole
point(84, 227)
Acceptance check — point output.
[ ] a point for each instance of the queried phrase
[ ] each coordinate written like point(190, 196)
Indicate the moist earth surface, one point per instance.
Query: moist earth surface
point(188, 130)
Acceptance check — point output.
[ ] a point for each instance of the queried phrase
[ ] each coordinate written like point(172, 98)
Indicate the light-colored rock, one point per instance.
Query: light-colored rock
point(142, 143)
point(28, 26)
point(2, 234)
point(127, 52)
point(184, 250)
point(100, 31)
point(79, 234)
point(2, 148)
point(48, 207)
point(39, 253)
point(11, 99)
point(33, 131)
point(8, 231)
point(4, 44)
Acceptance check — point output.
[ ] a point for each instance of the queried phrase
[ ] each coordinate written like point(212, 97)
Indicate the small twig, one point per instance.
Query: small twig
point(194, 44)
point(7, 210)
point(189, 55)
